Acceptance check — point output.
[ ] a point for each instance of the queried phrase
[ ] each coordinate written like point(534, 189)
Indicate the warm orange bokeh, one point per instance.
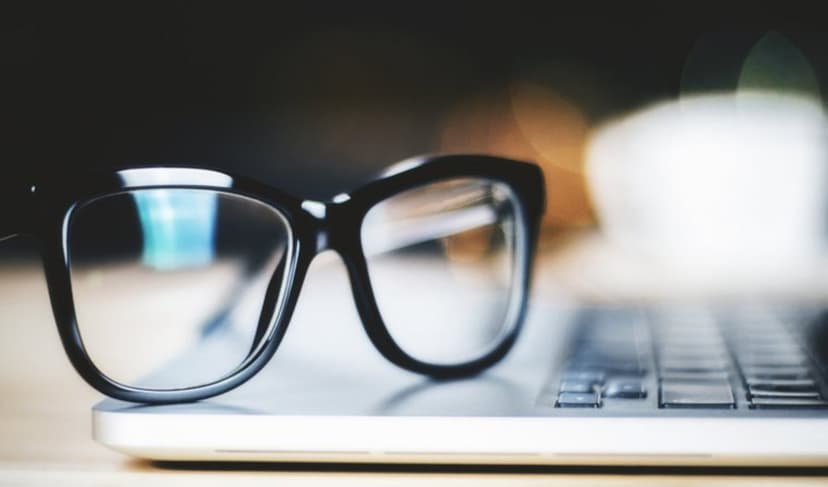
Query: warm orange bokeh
point(531, 122)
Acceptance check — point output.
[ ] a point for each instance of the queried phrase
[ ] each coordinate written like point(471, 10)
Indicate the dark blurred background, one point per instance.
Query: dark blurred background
point(315, 101)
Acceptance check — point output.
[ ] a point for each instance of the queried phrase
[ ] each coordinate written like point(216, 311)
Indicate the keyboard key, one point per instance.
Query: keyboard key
point(625, 389)
point(577, 400)
point(579, 375)
point(775, 373)
point(691, 342)
point(576, 386)
point(610, 367)
point(637, 369)
point(684, 354)
point(782, 384)
point(686, 394)
point(787, 403)
point(781, 361)
point(758, 392)
point(714, 376)
point(668, 365)
point(767, 348)
point(592, 356)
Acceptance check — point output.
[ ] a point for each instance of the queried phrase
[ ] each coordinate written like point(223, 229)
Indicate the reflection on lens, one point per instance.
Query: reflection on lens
point(169, 284)
point(443, 265)
point(178, 227)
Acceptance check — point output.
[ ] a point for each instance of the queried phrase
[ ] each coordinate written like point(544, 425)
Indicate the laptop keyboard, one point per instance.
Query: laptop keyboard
point(687, 358)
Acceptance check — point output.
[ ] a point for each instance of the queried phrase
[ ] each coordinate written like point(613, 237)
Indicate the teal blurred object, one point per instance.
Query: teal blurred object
point(178, 227)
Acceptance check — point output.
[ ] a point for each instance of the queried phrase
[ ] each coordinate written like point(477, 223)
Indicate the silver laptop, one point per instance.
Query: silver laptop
point(660, 383)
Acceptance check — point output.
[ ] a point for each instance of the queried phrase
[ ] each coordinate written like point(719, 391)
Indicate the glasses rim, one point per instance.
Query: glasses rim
point(273, 309)
point(316, 226)
point(518, 258)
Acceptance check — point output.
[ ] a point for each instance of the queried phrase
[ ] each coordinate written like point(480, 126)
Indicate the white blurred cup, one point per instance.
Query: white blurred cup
point(731, 186)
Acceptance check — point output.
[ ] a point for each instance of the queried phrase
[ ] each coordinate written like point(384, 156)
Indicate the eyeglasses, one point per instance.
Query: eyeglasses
point(173, 284)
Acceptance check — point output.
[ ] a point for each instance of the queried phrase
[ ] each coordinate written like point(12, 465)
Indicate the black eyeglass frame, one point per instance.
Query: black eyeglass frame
point(45, 210)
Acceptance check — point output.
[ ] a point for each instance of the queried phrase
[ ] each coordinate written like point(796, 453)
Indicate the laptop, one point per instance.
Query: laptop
point(733, 382)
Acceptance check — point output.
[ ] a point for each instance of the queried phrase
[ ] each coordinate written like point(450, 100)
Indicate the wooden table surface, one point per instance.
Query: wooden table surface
point(45, 434)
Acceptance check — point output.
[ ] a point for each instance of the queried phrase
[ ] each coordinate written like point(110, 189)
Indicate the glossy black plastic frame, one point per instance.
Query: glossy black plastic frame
point(44, 210)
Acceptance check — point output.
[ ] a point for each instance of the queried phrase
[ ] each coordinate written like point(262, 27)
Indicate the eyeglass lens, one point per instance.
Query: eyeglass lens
point(442, 264)
point(169, 284)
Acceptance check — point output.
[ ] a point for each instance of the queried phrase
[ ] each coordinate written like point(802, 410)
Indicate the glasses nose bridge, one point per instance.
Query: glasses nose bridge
point(327, 224)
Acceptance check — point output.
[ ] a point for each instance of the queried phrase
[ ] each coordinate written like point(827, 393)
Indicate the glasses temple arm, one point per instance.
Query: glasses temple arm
point(222, 317)
point(14, 209)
